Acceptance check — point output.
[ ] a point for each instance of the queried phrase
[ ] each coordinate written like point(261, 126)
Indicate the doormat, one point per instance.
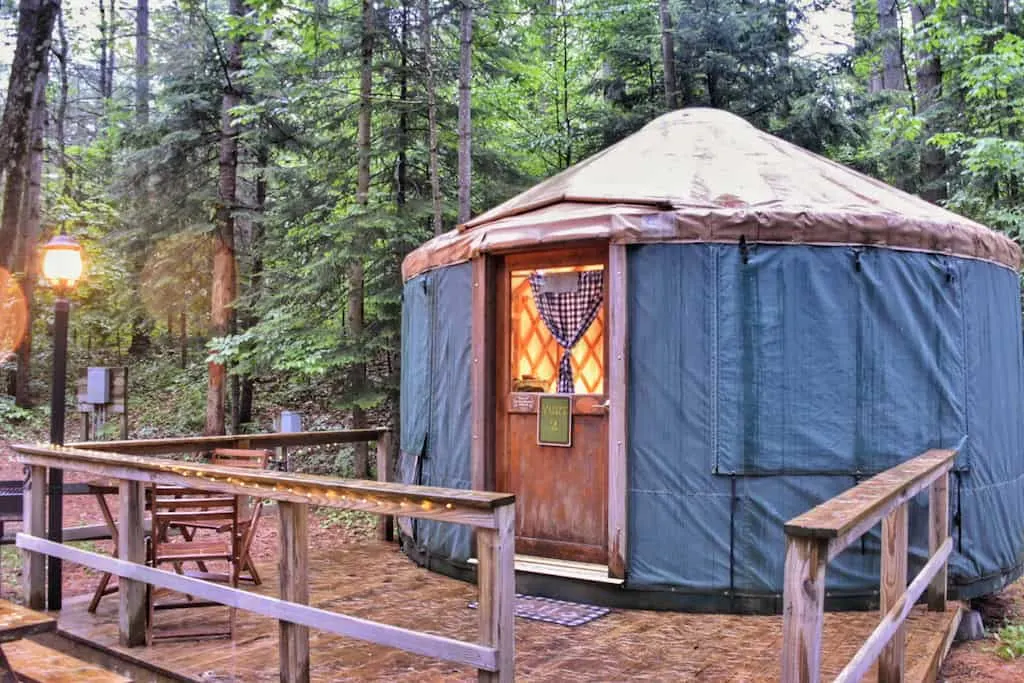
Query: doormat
point(554, 611)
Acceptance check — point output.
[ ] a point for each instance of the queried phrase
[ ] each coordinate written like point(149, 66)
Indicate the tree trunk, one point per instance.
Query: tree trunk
point(668, 56)
point(103, 48)
point(111, 42)
point(142, 61)
point(62, 107)
point(31, 55)
point(356, 275)
point(435, 174)
point(142, 328)
point(892, 57)
point(25, 261)
point(929, 86)
point(247, 388)
point(465, 111)
point(225, 280)
point(183, 341)
point(567, 156)
point(402, 172)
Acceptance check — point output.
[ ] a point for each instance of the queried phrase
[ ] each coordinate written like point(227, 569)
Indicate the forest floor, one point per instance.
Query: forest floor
point(974, 661)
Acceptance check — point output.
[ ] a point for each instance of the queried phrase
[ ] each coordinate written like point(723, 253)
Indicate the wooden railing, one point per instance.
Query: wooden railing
point(492, 514)
point(279, 441)
point(816, 537)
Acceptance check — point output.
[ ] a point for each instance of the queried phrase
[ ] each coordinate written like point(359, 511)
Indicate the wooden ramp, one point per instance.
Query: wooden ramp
point(372, 579)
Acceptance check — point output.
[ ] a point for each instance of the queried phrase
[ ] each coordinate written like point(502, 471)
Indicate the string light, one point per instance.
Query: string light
point(218, 475)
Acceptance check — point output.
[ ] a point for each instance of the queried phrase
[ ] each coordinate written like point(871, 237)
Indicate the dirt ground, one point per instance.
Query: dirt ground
point(974, 661)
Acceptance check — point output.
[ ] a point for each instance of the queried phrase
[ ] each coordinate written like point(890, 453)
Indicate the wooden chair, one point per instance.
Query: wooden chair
point(248, 458)
point(187, 510)
point(240, 457)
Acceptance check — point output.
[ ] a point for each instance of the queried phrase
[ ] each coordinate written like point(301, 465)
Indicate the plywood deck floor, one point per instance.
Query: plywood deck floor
point(374, 580)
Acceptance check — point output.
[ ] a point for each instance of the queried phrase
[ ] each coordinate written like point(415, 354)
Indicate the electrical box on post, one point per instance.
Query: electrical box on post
point(98, 386)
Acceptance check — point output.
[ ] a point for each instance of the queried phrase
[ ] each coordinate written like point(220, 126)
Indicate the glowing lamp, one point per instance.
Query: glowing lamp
point(62, 262)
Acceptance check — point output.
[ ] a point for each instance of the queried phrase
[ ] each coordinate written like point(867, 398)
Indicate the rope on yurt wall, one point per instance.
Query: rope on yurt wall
point(732, 542)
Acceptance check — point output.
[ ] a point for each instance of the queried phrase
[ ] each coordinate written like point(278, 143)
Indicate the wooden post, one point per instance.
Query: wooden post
point(482, 374)
point(33, 573)
point(803, 600)
point(294, 577)
point(893, 586)
point(803, 608)
point(496, 584)
point(131, 547)
point(938, 531)
point(618, 402)
point(385, 523)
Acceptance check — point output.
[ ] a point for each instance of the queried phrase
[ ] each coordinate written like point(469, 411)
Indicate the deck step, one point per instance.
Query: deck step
point(567, 569)
point(40, 664)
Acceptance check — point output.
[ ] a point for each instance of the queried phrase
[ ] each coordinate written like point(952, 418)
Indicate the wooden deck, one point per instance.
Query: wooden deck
point(373, 579)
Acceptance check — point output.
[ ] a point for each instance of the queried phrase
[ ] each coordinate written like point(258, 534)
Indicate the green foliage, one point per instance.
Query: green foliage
point(165, 400)
point(20, 422)
point(1010, 642)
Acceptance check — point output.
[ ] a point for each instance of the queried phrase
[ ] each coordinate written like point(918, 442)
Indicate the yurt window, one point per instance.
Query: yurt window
point(570, 301)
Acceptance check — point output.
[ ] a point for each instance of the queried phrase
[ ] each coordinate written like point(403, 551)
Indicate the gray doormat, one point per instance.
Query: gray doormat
point(554, 611)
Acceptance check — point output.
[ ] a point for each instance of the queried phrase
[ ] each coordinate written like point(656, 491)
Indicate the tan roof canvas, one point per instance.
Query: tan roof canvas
point(704, 175)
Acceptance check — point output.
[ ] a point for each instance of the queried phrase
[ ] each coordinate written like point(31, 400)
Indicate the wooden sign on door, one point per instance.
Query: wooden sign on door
point(554, 420)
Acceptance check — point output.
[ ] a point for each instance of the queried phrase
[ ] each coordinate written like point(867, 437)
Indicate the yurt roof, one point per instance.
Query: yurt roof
point(704, 175)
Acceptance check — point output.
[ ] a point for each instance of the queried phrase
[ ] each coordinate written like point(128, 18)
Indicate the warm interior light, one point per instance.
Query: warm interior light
point(62, 261)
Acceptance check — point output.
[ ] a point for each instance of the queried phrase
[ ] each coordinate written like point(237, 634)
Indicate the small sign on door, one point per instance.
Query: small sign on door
point(554, 420)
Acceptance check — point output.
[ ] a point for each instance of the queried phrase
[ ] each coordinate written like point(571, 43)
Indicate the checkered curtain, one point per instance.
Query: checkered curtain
point(568, 316)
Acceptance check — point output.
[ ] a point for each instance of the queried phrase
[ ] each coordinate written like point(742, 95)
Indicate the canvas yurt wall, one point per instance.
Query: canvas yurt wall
point(778, 353)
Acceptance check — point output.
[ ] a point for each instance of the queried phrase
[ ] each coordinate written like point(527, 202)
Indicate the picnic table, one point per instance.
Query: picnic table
point(16, 622)
point(101, 489)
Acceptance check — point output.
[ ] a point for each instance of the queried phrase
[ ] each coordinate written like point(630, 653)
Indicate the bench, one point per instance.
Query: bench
point(35, 663)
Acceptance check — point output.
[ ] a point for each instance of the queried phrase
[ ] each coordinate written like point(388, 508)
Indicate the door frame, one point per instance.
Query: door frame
point(489, 302)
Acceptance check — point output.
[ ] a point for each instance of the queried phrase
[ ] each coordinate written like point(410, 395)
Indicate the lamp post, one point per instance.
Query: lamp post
point(62, 266)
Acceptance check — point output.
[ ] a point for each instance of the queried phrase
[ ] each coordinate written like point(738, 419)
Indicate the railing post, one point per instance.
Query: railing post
point(33, 573)
point(893, 586)
point(294, 579)
point(131, 547)
point(496, 583)
point(385, 523)
point(803, 599)
point(938, 532)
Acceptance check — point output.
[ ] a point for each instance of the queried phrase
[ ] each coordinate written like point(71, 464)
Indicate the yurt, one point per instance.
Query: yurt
point(670, 349)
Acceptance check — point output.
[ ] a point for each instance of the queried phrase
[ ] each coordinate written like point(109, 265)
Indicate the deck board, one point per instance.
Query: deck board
point(372, 579)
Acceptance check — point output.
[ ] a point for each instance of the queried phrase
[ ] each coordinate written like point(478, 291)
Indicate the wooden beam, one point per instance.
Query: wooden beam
point(618, 406)
point(385, 473)
point(482, 377)
point(893, 586)
point(851, 513)
point(33, 572)
point(938, 533)
point(803, 613)
point(293, 639)
point(894, 617)
point(496, 582)
point(131, 547)
point(192, 444)
point(426, 644)
point(460, 506)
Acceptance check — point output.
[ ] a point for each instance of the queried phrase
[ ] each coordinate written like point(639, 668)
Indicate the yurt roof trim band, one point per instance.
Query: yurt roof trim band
point(633, 224)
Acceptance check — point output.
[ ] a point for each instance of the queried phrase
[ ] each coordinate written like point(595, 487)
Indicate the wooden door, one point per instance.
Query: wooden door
point(561, 492)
